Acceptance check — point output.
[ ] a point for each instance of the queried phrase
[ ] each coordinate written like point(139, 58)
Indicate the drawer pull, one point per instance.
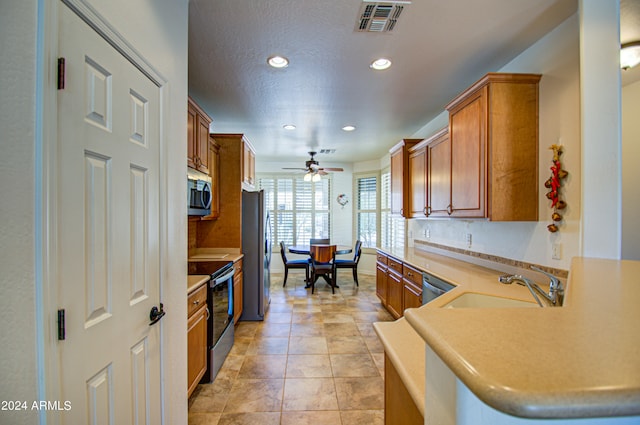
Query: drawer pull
point(196, 302)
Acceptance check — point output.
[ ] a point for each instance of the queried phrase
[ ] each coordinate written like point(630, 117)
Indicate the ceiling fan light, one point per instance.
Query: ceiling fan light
point(380, 64)
point(348, 128)
point(307, 177)
point(289, 127)
point(278, 61)
point(316, 177)
point(629, 55)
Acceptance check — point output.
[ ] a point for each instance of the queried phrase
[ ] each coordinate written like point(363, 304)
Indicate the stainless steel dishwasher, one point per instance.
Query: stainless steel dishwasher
point(433, 287)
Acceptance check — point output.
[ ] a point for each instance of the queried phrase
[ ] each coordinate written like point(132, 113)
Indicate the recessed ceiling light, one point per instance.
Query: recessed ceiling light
point(289, 127)
point(380, 64)
point(348, 128)
point(278, 61)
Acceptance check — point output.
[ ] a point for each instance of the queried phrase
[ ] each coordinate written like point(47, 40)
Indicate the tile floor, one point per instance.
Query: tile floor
point(315, 359)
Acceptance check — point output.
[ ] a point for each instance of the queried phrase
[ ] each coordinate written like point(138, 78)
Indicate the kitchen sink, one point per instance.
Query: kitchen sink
point(474, 300)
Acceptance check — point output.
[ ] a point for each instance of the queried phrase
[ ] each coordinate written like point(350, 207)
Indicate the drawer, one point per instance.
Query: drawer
point(197, 299)
point(395, 265)
point(381, 258)
point(413, 275)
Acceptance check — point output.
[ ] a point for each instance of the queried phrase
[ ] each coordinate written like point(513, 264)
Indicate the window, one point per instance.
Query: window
point(366, 211)
point(299, 210)
point(392, 226)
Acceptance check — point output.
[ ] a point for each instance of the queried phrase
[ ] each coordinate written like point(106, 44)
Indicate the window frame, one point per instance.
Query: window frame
point(314, 211)
point(356, 210)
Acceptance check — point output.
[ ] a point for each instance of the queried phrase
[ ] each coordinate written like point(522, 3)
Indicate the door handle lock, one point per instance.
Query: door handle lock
point(156, 314)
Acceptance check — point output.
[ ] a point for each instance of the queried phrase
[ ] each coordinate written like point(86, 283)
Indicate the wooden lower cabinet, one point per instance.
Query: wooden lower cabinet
point(381, 283)
point(394, 294)
point(399, 407)
point(237, 291)
point(196, 337)
point(398, 285)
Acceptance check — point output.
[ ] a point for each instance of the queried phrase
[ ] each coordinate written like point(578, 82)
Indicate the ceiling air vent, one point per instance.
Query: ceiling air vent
point(379, 16)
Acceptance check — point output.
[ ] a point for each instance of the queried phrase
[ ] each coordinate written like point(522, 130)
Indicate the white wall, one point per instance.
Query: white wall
point(630, 171)
point(18, 362)
point(158, 30)
point(556, 57)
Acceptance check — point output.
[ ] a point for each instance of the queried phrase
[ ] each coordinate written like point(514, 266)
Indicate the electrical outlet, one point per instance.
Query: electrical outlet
point(468, 239)
point(556, 251)
point(427, 233)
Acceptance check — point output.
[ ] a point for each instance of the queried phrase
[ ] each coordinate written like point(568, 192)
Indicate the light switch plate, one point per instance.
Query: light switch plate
point(556, 251)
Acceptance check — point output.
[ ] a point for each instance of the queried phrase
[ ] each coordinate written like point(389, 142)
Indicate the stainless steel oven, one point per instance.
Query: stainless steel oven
point(433, 287)
point(220, 324)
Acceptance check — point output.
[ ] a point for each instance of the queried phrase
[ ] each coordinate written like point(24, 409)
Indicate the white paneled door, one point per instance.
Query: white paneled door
point(108, 232)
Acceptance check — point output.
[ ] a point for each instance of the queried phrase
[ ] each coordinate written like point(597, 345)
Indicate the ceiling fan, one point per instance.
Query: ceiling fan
point(312, 167)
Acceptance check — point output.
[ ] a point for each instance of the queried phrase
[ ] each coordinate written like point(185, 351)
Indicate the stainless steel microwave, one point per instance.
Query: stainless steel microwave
point(198, 195)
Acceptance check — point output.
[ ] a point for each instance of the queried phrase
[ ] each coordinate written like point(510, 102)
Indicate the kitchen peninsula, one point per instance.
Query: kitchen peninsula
point(569, 363)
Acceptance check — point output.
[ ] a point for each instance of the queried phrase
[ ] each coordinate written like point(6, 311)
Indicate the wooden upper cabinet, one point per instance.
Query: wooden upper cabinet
point(418, 180)
point(400, 177)
point(248, 164)
point(439, 174)
point(493, 131)
point(197, 137)
point(214, 173)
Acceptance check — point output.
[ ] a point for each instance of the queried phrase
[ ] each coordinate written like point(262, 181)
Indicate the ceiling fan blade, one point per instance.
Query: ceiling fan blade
point(331, 169)
point(321, 172)
point(296, 168)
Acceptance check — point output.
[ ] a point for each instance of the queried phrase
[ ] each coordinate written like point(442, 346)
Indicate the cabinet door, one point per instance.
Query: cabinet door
point(418, 182)
point(397, 182)
point(192, 126)
point(237, 296)
point(203, 145)
point(394, 294)
point(196, 348)
point(214, 172)
point(439, 181)
point(468, 144)
point(248, 164)
point(381, 283)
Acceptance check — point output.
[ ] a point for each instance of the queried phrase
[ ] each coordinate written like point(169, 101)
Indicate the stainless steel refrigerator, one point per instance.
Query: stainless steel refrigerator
point(256, 247)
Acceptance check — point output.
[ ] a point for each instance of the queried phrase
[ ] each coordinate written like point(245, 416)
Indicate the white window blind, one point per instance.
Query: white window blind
point(300, 210)
point(392, 226)
point(367, 211)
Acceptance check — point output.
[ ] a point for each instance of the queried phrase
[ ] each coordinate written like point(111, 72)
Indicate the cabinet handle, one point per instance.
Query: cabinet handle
point(208, 314)
point(449, 209)
point(196, 302)
point(409, 274)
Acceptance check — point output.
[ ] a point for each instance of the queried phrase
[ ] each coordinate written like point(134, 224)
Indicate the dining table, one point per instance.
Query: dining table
point(306, 250)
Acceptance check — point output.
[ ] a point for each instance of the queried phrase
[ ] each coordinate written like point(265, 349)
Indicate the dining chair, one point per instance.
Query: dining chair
point(293, 264)
point(351, 264)
point(323, 264)
point(319, 241)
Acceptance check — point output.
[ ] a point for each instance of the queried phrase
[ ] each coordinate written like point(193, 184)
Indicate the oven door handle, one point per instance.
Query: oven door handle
point(223, 278)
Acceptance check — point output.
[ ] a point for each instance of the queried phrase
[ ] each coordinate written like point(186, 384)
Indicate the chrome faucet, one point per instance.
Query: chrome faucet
point(556, 290)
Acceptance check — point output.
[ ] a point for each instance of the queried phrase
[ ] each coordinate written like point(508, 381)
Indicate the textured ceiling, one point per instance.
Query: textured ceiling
point(438, 49)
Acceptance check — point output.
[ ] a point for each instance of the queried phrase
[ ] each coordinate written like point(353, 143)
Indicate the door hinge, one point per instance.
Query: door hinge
point(61, 328)
point(61, 73)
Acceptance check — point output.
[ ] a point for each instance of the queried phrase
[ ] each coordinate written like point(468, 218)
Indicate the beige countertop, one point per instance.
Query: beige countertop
point(579, 360)
point(214, 254)
point(194, 281)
